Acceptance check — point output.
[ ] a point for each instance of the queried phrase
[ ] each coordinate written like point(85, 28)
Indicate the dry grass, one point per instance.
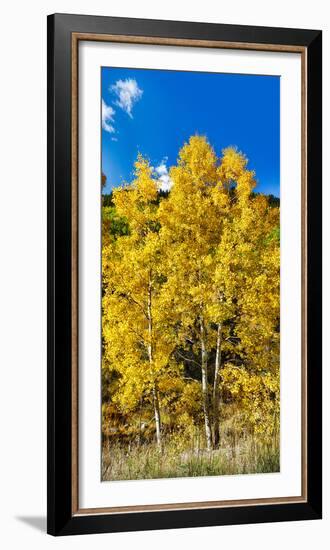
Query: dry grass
point(180, 458)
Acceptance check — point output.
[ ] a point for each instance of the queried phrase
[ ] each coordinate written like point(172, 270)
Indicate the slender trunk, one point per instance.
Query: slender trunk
point(140, 423)
point(208, 433)
point(154, 385)
point(216, 390)
point(157, 417)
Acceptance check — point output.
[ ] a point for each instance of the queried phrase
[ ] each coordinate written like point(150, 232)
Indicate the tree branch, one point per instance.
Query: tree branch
point(130, 299)
point(187, 359)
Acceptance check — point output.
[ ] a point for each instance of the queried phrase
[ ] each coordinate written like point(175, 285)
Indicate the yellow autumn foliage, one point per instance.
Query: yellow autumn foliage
point(190, 308)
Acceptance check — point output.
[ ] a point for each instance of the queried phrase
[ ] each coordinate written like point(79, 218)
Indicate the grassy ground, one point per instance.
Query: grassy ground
point(247, 455)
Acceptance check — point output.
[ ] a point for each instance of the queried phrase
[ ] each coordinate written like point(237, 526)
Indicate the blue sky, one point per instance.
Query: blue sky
point(154, 112)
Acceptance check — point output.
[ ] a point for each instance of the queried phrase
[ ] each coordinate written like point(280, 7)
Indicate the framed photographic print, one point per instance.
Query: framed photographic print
point(184, 274)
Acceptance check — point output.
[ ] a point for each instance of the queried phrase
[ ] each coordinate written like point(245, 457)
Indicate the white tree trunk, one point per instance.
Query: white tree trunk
point(157, 418)
point(154, 386)
point(208, 433)
point(216, 390)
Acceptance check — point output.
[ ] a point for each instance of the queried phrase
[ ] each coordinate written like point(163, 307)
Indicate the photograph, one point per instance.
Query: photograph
point(184, 282)
point(190, 206)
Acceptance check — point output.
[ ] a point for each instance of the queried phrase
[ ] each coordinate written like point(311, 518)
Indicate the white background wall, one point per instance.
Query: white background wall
point(23, 272)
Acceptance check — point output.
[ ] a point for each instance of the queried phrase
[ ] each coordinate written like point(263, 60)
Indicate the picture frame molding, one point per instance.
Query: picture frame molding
point(64, 34)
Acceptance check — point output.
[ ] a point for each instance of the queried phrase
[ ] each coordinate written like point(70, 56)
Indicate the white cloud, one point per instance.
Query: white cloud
point(114, 139)
point(161, 169)
point(164, 181)
point(108, 114)
point(128, 93)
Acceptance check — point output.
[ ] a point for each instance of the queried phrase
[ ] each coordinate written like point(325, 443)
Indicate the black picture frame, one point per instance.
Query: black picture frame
point(61, 519)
